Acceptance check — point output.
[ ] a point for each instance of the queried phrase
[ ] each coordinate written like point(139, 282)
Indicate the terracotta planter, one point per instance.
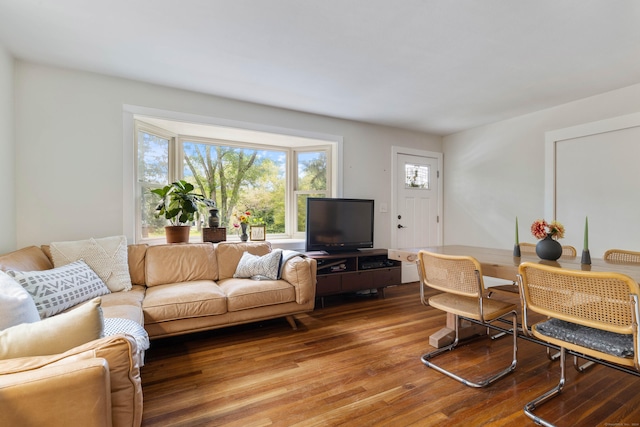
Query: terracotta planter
point(177, 233)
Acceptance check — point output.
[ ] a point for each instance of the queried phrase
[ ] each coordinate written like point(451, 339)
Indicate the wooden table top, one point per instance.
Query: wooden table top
point(502, 264)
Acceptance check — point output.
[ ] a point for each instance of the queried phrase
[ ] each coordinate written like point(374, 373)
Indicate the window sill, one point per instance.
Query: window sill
point(291, 244)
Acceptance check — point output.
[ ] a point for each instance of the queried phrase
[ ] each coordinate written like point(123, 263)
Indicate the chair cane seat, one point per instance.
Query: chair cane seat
point(469, 307)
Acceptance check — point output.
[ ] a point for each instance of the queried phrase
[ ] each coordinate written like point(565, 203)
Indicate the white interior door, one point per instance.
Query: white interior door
point(597, 176)
point(416, 220)
point(591, 171)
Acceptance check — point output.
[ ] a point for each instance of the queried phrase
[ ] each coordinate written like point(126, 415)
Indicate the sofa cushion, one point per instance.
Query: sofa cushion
point(31, 258)
point(60, 288)
point(106, 256)
point(229, 254)
point(126, 305)
point(243, 294)
point(53, 335)
point(166, 264)
point(16, 305)
point(619, 345)
point(137, 255)
point(183, 300)
point(76, 394)
point(259, 267)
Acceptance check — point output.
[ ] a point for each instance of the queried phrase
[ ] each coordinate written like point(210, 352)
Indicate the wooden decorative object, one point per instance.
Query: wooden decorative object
point(214, 235)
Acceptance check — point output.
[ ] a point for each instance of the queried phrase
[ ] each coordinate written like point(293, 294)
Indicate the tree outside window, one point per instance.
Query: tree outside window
point(240, 179)
point(312, 182)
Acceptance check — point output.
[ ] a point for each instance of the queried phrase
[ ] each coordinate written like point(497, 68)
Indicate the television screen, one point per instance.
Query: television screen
point(339, 224)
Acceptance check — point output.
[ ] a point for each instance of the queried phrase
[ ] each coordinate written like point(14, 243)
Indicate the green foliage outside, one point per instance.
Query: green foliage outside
point(234, 178)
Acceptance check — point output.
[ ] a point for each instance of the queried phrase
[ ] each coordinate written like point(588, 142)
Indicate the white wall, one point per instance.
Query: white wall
point(7, 154)
point(69, 142)
point(494, 173)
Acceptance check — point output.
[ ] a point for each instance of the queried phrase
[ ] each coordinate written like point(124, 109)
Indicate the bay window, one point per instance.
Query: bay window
point(269, 179)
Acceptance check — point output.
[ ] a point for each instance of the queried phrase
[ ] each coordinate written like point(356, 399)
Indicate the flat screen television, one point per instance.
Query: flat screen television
point(335, 225)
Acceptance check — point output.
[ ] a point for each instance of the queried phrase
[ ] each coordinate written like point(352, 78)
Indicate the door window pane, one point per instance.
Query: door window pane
point(416, 176)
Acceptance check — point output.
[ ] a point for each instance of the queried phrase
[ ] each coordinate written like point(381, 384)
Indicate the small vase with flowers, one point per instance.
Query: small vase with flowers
point(548, 247)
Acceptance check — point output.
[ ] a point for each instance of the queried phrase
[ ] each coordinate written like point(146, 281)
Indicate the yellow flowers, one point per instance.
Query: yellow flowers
point(242, 218)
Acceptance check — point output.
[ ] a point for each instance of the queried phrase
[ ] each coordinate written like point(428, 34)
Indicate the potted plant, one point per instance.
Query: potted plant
point(179, 205)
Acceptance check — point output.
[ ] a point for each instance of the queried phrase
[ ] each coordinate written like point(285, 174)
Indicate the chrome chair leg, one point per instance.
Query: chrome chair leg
point(531, 406)
point(552, 357)
point(584, 366)
point(426, 358)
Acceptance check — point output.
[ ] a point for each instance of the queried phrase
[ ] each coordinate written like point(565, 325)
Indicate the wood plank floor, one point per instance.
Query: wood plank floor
point(356, 362)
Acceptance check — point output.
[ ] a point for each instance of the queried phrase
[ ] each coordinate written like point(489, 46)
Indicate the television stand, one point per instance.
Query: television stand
point(346, 272)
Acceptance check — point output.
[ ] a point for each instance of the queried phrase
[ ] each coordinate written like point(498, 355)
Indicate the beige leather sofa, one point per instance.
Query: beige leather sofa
point(176, 289)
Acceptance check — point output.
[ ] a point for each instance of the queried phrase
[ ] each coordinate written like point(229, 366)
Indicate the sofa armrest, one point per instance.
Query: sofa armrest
point(124, 372)
point(74, 393)
point(301, 273)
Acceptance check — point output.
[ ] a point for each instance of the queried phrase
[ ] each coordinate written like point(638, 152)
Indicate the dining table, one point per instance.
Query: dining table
point(501, 264)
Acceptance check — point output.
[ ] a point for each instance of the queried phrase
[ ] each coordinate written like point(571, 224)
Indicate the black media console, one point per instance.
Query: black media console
point(346, 272)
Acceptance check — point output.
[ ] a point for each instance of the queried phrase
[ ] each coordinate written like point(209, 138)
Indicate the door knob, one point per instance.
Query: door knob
point(401, 226)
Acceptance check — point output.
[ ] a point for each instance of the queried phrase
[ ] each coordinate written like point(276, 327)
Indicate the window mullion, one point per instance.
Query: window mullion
point(290, 219)
point(176, 159)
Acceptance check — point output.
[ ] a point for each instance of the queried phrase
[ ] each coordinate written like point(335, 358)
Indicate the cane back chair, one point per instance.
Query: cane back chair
point(530, 248)
point(591, 314)
point(459, 278)
point(621, 255)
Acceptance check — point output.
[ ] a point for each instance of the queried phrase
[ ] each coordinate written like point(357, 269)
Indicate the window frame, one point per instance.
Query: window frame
point(176, 164)
point(140, 185)
point(328, 192)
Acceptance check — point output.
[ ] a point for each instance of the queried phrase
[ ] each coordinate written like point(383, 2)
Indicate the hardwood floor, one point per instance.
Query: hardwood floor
point(356, 362)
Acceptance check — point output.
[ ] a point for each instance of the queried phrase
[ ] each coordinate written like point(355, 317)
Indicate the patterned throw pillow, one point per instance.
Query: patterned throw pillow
point(259, 267)
point(61, 288)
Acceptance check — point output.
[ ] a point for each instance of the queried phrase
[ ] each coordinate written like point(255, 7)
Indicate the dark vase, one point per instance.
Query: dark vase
point(214, 219)
point(549, 249)
point(244, 237)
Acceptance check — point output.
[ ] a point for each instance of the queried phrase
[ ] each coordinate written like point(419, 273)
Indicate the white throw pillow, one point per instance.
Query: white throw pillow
point(259, 267)
point(107, 256)
point(16, 305)
point(61, 288)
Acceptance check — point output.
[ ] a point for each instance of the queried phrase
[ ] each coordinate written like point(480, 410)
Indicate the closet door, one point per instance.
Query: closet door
point(598, 176)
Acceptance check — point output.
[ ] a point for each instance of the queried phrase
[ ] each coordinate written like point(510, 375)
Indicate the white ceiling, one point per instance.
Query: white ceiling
point(438, 66)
